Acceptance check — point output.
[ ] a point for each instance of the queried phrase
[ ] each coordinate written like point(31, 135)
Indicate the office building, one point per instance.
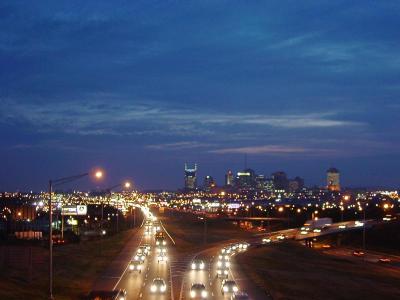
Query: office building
point(333, 180)
point(190, 177)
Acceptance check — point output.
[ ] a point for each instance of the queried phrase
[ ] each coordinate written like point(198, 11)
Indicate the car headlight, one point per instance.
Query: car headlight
point(193, 266)
point(122, 298)
point(225, 289)
point(157, 243)
point(164, 243)
point(201, 266)
point(204, 294)
point(235, 289)
point(226, 257)
point(136, 257)
point(163, 288)
point(139, 267)
point(226, 272)
point(192, 294)
point(164, 250)
point(220, 257)
point(228, 264)
point(131, 267)
point(153, 288)
point(218, 271)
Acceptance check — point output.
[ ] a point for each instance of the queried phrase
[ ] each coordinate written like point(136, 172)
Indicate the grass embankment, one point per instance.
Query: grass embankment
point(76, 266)
point(291, 271)
point(188, 230)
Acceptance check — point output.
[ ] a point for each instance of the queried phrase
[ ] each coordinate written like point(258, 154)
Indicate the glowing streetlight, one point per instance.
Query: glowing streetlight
point(127, 185)
point(56, 182)
point(98, 174)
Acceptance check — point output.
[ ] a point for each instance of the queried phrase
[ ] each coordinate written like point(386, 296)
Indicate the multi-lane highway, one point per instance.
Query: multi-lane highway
point(166, 273)
point(164, 264)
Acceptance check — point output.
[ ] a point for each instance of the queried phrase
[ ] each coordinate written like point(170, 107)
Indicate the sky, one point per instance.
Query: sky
point(141, 87)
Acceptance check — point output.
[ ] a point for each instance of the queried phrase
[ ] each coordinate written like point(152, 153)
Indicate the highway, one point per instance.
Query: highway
point(177, 271)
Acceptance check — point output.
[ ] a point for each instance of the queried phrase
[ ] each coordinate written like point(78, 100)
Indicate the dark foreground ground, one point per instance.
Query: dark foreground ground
point(291, 271)
point(76, 266)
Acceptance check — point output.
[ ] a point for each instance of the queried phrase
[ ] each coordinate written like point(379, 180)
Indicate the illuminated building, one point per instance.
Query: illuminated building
point(280, 181)
point(209, 183)
point(229, 180)
point(245, 179)
point(190, 177)
point(333, 180)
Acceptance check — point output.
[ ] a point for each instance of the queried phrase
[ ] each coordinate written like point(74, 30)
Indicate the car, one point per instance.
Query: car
point(139, 257)
point(198, 291)
point(223, 257)
point(222, 272)
point(240, 296)
point(342, 226)
point(144, 250)
point(243, 246)
point(280, 237)
point(107, 295)
point(384, 260)
point(135, 265)
point(358, 253)
point(317, 230)
point(148, 247)
point(266, 240)
point(358, 224)
point(223, 264)
point(162, 257)
point(197, 264)
point(229, 287)
point(158, 285)
point(161, 249)
point(226, 250)
point(160, 241)
point(233, 247)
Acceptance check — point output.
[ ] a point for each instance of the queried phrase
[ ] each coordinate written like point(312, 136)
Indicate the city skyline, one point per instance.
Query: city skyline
point(143, 88)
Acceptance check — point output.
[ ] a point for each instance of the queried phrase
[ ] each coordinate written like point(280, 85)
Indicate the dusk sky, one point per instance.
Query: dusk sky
point(141, 87)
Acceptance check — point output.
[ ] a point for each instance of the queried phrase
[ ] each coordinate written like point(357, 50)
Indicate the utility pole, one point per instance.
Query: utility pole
point(50, 242)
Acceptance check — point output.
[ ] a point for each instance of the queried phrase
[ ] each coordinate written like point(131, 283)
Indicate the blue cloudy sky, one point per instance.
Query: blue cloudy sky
point(140, 87)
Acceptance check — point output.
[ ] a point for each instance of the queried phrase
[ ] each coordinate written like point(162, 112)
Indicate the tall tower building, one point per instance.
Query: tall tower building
point(209, 183)
point(281, 181)
point(333, 180)
point(229, 179)
point(190, 177)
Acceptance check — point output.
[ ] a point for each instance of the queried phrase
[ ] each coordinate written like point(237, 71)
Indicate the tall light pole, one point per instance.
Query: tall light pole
point(52, 183)
point(126, 185)
point(364, 212)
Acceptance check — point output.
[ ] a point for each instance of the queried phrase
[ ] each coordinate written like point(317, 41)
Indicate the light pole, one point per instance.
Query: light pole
point(52, 183)
point(364, 212)
point(125, 185)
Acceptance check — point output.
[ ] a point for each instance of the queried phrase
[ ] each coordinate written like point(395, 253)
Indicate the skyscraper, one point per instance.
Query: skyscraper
point(209, 183)
point(190, 177)
point(281, 181)
point(333, 179)
point(229, 180)
point(246, 179)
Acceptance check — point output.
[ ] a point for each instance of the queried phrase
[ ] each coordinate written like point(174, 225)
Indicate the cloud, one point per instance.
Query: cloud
point(102, 117)
point(178, 146)
point(265, 149)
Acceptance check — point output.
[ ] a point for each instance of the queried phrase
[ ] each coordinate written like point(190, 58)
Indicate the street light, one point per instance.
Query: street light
point(98, 174)
point(126, 185)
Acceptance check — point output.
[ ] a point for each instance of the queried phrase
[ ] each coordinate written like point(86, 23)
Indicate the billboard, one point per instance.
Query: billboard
point(74, 210)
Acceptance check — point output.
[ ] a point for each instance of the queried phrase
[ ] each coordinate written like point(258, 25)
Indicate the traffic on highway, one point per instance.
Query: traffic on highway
point(156, 270)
